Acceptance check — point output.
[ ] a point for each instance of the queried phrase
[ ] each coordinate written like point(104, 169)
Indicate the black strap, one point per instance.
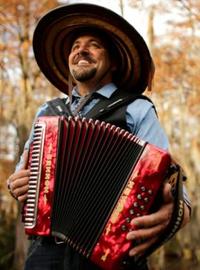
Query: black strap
point(117, 100)
point(59, 106)
point(175, 177)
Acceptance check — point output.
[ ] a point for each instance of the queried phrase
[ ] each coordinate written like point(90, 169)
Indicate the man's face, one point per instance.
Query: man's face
point(89, 60)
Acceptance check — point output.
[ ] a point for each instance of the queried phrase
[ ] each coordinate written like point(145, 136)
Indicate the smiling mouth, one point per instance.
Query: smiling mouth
point(83, 63)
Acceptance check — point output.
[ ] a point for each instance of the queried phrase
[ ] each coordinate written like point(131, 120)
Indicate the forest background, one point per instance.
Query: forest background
point(176, 93)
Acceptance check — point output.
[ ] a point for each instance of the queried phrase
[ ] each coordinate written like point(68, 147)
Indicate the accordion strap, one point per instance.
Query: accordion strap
point(59, 107)
point(175, 178)
point(117, 100)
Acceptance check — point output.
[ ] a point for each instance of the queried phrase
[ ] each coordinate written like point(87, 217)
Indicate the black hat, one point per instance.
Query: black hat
point(54, 33)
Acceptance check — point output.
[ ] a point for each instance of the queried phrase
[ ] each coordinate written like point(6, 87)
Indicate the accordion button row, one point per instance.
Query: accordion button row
point(138, 207)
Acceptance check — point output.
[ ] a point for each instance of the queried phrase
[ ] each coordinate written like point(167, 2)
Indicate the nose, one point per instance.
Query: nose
point(83, 49)
point(83, 52)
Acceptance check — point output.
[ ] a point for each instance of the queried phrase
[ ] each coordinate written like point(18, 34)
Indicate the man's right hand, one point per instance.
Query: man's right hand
point(18, 181)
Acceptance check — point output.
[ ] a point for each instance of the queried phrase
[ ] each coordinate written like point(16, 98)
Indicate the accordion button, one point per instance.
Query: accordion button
point(128, 219)
point(146, 199)
point(138, 215)
point(125, 263)
point(132, 212)
point(150, 191)
point(142, 207)
point(139, 196)
point(124, 228)
point(135, 204)
point(143, 188)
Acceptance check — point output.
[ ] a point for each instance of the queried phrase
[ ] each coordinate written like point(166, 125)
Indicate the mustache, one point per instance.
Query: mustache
point(83, 56)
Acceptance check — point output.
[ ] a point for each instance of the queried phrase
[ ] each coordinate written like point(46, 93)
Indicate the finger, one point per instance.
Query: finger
point(22, 198)
point(20, 191)
point(162, 215)
point(19, 182)
point(147, 221)
point(147, 233)
point(140, 249)
point(18, 175)
point(167, 193)
point(19, 187)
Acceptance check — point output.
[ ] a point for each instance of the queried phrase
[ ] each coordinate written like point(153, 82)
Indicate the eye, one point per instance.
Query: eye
point(75, 47)
point(95, 44)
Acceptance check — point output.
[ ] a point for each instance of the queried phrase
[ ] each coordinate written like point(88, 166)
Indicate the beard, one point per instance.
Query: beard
point(83, 75)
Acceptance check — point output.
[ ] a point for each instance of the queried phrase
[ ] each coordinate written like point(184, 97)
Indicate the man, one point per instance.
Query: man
point(99, 60)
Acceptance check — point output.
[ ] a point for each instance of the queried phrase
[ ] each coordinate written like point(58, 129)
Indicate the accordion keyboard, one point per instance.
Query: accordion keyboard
point(35, 175)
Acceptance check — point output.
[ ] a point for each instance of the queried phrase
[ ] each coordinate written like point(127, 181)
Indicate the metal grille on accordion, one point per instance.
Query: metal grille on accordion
point(90, 179)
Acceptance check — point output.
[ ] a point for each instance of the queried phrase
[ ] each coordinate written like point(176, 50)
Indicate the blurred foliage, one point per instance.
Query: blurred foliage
point(7, 241)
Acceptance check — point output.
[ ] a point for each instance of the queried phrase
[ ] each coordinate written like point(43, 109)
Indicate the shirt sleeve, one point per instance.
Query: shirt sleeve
point(144, 123)
point(40, 111)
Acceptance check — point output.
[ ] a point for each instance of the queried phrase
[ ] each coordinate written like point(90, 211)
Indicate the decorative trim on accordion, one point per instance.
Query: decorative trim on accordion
point(42, 178)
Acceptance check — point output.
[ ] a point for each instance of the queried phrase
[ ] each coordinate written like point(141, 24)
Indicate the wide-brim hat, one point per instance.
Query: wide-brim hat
point(54, 32)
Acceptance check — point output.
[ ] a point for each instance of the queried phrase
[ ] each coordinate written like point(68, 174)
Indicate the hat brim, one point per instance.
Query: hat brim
point(52, 36)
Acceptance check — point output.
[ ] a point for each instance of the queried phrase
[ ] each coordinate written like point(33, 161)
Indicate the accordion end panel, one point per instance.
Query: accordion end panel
point(37, 211)
point(144, 183)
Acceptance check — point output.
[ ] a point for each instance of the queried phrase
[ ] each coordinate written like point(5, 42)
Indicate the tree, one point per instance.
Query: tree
point(177, 92)
point(23, 87)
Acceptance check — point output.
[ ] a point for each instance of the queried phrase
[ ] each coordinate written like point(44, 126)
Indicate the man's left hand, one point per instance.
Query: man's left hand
point(148, 228)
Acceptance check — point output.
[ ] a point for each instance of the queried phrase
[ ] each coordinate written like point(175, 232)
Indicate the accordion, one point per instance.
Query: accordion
point(88, 180)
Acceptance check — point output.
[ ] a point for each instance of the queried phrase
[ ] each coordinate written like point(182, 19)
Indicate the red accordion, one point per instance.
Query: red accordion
point(88, 180)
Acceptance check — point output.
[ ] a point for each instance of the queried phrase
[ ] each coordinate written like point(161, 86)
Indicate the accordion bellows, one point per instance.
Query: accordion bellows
point(88, 180)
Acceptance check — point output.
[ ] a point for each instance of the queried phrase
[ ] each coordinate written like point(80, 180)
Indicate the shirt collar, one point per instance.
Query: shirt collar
point(106, 91)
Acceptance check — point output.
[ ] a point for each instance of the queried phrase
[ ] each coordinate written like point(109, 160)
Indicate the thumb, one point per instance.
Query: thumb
point(24, 160)
point(167, 193)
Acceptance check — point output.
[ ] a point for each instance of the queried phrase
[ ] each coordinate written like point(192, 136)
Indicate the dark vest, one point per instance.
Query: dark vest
point(112, 110)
